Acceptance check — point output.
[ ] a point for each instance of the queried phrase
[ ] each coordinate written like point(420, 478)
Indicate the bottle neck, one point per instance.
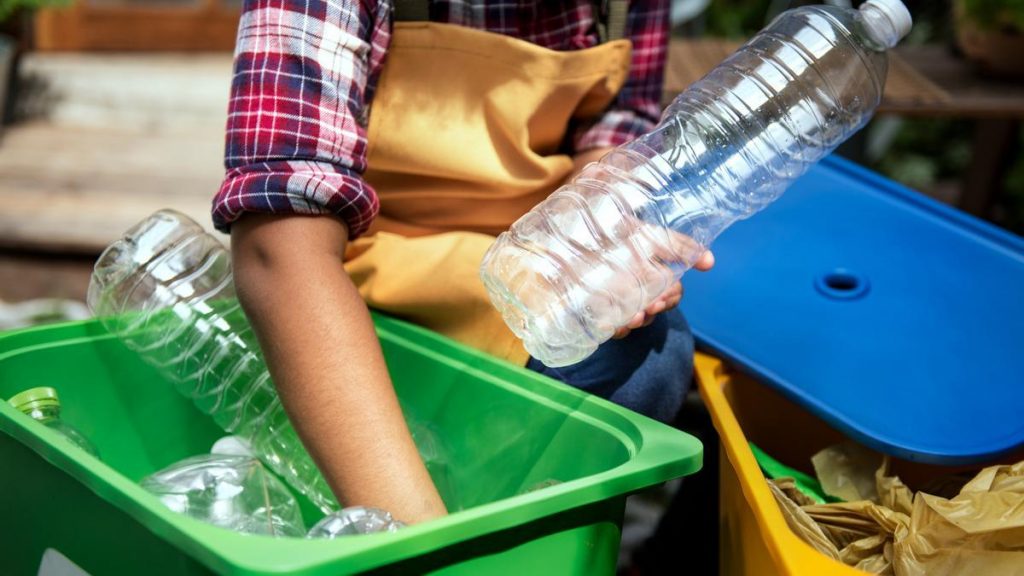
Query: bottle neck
point(886, 22)
point(43, 414)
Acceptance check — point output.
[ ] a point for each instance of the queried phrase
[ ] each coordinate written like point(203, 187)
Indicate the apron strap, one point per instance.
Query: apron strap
point(611, 16)
point(411, 11)
point(611, 19)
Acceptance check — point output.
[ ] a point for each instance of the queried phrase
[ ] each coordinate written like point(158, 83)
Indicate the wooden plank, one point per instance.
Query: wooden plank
point(970, 94)
point(123, 136)
point(84, 26)
point(146, 92)
point(75, 190)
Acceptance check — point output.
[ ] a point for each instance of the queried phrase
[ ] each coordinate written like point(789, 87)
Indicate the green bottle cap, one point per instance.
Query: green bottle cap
point(41, 397)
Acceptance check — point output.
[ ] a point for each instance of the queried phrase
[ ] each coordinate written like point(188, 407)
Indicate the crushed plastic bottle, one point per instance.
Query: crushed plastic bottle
point(601, 248)
point(233, 492)
point(353, 521)
point(43, 405)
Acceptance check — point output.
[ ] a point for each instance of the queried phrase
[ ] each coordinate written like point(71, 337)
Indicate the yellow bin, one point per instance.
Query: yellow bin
point(754, 537)
point(755, 540)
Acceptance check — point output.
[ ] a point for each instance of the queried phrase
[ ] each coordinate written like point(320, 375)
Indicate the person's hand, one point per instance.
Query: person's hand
point(668, 300)
point(679, 244)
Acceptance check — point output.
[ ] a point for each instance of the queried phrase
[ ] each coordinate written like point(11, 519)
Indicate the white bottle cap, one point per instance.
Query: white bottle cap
point(897, 15)
point(232, 446)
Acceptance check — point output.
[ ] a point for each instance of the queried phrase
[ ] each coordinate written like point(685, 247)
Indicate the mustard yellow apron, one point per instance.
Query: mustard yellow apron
point(464, 134)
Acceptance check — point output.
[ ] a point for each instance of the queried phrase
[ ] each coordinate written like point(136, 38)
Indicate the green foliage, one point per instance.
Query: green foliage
point(10, 7)
point(927, 151)
point(736, 18)
point(995, 14)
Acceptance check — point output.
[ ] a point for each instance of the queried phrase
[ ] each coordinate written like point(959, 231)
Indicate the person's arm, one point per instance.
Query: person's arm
point(292, 198)
point(326, 362)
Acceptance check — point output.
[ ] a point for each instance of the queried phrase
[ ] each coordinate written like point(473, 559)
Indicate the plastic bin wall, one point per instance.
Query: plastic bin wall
point(755, 539)
point(514, 428)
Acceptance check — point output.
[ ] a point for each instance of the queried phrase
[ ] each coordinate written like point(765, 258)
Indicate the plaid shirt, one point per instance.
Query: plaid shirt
point(306, 70)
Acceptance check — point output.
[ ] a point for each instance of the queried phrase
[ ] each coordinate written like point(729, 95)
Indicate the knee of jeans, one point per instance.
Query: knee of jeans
point(659, 386)
point(672, 384)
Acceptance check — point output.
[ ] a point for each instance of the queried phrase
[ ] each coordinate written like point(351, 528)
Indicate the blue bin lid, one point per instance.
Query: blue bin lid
point(896, 319)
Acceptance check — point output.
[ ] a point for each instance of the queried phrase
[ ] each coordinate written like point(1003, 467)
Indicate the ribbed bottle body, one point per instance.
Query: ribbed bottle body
point(166, 290)
point(603, 247)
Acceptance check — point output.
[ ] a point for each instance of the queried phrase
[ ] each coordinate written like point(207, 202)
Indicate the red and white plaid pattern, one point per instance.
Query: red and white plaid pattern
point(306, 70)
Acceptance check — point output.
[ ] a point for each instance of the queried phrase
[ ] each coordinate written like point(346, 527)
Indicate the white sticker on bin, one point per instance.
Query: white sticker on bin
point(56, 564)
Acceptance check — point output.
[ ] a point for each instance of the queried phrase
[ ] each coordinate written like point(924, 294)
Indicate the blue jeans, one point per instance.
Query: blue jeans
point(648, 371)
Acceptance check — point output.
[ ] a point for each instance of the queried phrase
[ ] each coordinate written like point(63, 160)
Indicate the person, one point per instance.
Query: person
point(399, 140)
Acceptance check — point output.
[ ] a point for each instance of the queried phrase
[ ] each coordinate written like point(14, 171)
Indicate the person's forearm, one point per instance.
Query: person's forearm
point(326, 362)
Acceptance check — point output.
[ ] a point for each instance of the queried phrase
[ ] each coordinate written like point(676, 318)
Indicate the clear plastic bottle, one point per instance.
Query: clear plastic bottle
point(165, 288)
point(353, 521)
point(43, 405)
point(230, 491)
point(604, 246)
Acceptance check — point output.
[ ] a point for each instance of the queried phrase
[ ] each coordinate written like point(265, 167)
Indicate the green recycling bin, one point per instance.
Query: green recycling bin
point(513, 429)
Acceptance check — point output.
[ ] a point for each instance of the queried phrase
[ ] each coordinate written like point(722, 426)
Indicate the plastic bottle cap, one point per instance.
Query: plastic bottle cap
point(232, 446)
point(33, 398)
point(896, 12)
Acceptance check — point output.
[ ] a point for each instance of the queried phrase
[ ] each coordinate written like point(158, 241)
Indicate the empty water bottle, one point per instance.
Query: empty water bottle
point(601, 248)
point(166, 289)
point(43, 405)
point(353, 521)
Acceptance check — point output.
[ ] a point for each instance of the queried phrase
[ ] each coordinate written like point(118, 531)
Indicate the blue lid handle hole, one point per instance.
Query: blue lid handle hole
point(841, 284)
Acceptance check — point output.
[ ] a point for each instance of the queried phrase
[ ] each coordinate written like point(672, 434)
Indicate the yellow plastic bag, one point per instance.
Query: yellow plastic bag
point(978, 531)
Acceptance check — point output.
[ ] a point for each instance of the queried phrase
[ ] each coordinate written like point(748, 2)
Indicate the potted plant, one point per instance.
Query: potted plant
point(15, 28)
point(991, 33)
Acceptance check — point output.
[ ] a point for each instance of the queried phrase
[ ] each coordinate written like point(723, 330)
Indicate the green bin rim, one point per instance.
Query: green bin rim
point(658, 453)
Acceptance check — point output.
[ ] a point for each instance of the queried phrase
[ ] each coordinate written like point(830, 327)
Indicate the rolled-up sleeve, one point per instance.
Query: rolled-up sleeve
point(296, 134)
point(637, 107)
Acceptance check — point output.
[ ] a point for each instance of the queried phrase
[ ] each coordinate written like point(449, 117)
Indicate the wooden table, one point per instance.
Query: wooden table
point(924, 81)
